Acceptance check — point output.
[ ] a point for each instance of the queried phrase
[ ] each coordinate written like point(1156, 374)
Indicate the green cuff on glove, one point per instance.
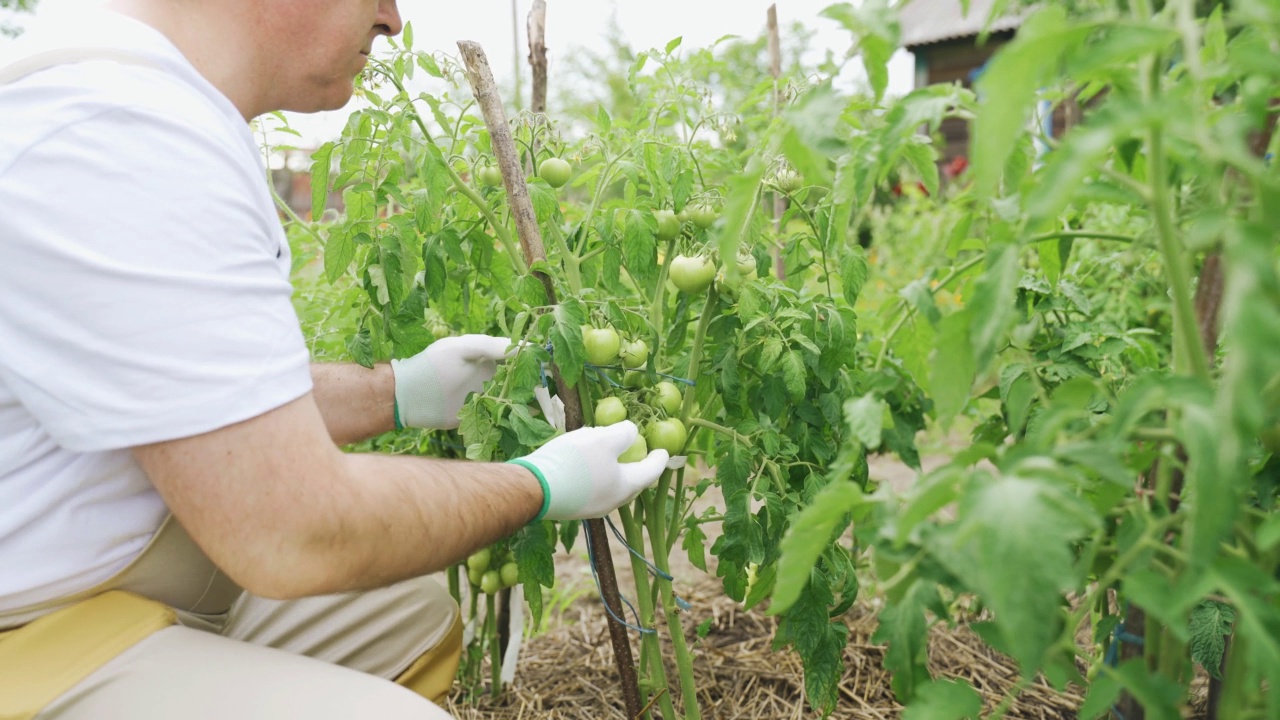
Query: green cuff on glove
point(546, 489)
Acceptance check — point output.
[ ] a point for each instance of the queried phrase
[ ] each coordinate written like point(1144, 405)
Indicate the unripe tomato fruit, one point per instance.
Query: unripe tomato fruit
point(692, 274)
point(490, 175)
point(668, 224)
point(556, 172)
point(635, 379)
point(510, 574)
point(610, 411)
point(475, 576)
point(667, 397)
point(491, 582)
point(669, 435)
point(638, 451)
point(746, 272)
point(704, 216)
point(602, 345)
point(480, 560)
point(788, 180)
point(634, 354)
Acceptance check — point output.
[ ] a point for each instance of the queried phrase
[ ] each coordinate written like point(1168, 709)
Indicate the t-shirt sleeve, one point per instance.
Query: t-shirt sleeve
point(143, 295)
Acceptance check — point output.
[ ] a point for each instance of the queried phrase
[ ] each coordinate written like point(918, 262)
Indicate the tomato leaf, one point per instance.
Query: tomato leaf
point(322, 164)
point(741, 542)
point(854, 272)
point(339, 251)
point(1008, 86)
point(534, 548)
point(819, 642)
point(530, 431)
point(566, 338)
point(1211, 623)
point(992, 307)
point(865, 416)
point(1012, 545)
point(903, 628)
point(811, 533)
point(953, 366)
point(944, 700)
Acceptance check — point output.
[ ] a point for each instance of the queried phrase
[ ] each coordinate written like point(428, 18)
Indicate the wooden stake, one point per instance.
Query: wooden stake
point(779, 202)
point(504, 149)
point(515, 51)
point(538, 54)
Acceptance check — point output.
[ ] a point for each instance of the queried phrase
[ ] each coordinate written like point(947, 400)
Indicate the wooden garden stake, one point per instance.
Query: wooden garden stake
point(538, 55)
point(504, 149)
point(538, 61)
point(775, 69)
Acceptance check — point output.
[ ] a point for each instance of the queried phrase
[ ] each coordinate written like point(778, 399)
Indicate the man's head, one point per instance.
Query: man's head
point(315, 48)
point(267, 55)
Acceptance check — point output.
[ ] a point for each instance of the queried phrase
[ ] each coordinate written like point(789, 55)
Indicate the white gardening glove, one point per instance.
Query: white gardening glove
point(432, 386)
point(581, 476)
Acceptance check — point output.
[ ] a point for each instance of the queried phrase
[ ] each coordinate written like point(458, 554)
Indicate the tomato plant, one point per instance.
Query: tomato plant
point(1116, 474)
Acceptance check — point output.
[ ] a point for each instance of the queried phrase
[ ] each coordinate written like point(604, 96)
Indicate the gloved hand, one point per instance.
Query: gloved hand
point(581, 476)
point(432, 386)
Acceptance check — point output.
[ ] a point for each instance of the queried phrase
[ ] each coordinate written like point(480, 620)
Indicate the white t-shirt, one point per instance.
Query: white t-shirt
point(144, 295)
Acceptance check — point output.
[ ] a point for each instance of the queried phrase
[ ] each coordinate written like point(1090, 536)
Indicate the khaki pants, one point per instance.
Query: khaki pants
point(316, 658)
point(233, 655)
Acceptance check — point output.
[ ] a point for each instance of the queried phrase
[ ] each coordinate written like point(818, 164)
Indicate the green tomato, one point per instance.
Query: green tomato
point(602, 344)
point(746, 272)
point(610, 411)
point(668, 224)
point(510, 574)
point(669, 435)
point(692, 274)
point(704, 216)
point(491, 582)
point(667, 397)
point(788, 180)
point(475, 576)
point(490, 175)
point(638, 451)
point(480, 560)
point(683, 216)
point(556, 172)
point(634, 354)
point(635, 379)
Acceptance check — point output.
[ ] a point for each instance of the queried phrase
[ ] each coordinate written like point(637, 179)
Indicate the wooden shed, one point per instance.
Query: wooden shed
point(944, 41)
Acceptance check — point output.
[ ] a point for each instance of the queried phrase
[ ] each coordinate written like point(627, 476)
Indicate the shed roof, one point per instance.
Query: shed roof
point(925, 22)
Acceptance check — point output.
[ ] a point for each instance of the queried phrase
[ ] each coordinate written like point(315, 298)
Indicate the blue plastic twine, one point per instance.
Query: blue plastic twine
point(1120, 635)
point(594, 576)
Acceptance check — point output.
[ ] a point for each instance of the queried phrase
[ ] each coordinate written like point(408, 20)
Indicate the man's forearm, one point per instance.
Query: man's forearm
point(356, 402)
point(393, 518)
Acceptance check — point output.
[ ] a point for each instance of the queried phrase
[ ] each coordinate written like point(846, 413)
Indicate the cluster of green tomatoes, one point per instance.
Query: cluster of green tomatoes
point(555, 171)
point(655, 408)
point(490, 576)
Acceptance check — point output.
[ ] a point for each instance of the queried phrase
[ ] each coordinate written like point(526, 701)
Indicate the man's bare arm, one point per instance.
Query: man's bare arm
point(356, 402)
point(276, 505)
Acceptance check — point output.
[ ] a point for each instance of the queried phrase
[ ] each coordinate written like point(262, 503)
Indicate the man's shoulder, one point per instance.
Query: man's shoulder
point(106, 92)
point(120, 86)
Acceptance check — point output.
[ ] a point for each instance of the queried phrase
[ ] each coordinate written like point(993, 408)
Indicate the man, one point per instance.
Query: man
point(151, 365)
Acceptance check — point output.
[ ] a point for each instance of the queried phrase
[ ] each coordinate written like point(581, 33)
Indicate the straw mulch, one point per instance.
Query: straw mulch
point(567, 673)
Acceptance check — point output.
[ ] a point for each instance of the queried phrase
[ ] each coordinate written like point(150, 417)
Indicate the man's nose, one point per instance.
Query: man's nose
point(388, 21)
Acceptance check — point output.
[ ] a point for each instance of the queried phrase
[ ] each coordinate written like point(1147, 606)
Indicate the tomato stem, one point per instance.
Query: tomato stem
point(655, 518)
point(495, 652)
point(651, 648)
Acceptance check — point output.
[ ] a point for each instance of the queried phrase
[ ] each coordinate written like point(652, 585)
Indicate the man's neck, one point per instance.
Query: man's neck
point(213, 41)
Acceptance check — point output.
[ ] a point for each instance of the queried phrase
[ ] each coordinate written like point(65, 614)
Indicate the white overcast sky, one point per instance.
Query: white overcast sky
point(576, 24)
